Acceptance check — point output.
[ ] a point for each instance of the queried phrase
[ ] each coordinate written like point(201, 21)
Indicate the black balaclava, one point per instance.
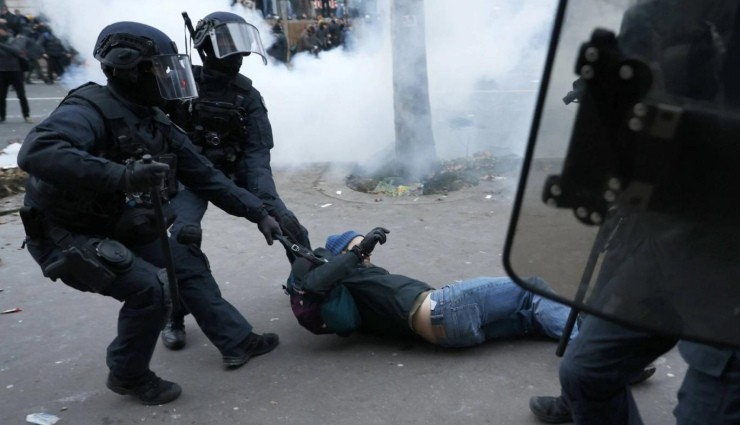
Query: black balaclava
point(136, 85)
point(229, 65)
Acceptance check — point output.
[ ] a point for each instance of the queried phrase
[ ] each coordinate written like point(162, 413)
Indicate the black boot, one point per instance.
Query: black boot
point(150, 390)
point(253, 345)
point(173, 334)
point(644, 375)
point(551, 410)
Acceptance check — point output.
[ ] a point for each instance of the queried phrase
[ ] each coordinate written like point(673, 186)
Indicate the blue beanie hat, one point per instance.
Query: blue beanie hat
point(336, 243)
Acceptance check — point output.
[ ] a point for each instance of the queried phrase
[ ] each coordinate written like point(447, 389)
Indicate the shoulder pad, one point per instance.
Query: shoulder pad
point(197, 71)
point(242, 82)
point(97, 96)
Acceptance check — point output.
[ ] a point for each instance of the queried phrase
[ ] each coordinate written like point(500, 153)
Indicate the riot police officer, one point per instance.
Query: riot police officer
point(683, 242)
point(228, 123)
point(88, 212)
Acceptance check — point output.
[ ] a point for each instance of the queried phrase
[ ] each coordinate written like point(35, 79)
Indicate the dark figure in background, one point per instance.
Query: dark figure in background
point(685, 41)
point(34, 52)
point(279, 49)
point(335, 28)
point(322, 34)
point(12, 21)
point(229, 125)
point(11, 72)
point(89, 212)
point(308, 42)
point(56, 55)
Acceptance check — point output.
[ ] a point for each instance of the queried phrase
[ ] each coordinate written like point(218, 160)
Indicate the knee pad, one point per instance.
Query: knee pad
point(190, 234)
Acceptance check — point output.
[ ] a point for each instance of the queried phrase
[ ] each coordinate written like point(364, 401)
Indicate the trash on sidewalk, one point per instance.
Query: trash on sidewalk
point(42, 419)
point(12, 310)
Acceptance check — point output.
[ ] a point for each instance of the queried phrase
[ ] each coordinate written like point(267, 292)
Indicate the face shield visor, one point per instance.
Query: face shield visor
point(236, 38)
point(174, 76)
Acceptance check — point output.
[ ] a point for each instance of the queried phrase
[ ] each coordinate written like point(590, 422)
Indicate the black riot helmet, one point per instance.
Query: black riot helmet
point(138, 53)
point(229, 34)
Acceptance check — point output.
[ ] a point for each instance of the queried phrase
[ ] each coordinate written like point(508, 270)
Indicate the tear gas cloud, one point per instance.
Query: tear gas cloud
point(484, 61)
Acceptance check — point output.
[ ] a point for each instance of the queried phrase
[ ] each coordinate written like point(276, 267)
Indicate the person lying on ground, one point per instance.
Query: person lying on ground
point(460, 314)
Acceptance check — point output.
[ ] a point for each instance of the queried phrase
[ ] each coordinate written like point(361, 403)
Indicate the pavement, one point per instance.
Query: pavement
point(52, 352)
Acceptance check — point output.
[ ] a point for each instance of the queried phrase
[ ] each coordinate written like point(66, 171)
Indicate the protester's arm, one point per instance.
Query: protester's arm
point(320, 279)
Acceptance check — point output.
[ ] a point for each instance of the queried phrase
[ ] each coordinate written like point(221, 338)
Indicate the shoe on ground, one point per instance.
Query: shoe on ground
point(28, 120)
point(644, 375)
point(551, 410)
point(150, 390)
point(173, 334)
point(253, 345)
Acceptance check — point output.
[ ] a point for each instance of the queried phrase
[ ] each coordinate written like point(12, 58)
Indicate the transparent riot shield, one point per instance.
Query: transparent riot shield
point(629, 199)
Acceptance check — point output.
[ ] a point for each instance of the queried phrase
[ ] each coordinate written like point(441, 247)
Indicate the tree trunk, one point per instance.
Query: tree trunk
point(415, 151)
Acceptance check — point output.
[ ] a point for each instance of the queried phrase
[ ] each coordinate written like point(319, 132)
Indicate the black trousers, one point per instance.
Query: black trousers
point(605, 356)
point(15, 79)
point(143, 312)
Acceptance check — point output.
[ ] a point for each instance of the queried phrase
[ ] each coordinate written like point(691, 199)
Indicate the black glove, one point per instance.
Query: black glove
point(366, 247)
point(143, 177)
point(269, 226)
point(290, 226)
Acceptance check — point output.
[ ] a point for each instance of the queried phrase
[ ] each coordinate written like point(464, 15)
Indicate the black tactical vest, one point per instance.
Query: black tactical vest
point(128, 138)
point(218, 120)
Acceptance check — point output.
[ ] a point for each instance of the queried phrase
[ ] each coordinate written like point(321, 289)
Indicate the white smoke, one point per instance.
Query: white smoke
point(484, 60)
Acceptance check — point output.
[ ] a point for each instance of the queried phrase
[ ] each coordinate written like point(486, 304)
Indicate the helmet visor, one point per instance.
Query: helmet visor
point(174, 76)
point(236, 37)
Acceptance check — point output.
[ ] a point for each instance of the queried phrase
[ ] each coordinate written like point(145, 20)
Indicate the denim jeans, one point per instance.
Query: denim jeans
point(485, 308)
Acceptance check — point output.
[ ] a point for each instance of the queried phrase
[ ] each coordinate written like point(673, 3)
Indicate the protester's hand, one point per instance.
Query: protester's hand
point(143, 177)
point(269, 226)
point(375, 236)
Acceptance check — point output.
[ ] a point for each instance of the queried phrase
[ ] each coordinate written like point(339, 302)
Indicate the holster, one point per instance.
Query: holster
point(33, 222)
point(93, 262)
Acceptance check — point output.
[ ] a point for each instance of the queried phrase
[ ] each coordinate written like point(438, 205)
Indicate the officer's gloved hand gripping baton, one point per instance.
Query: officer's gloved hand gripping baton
point(162, 230)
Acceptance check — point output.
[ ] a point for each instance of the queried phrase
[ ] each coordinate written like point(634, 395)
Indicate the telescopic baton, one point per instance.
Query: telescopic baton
point(162, 230)
point(191, 30)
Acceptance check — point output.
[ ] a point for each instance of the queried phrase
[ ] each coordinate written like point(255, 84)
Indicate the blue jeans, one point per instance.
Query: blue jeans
point(485, 308)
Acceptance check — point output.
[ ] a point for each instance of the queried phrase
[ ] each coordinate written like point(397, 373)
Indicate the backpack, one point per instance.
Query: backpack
point(336, 313)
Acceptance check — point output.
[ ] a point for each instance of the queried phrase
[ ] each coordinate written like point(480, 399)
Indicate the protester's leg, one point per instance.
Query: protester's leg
point(549, 316)
point(706, 398)
point(484, 308)
point(600, 364)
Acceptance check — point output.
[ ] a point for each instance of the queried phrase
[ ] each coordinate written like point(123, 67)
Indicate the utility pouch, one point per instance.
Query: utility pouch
point(32, 222)
point(96, 263)
point(170, 183)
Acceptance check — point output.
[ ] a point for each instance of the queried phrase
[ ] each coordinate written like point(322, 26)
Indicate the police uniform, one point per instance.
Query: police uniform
point(229, 125)
point(650, 249)
point(75, 159)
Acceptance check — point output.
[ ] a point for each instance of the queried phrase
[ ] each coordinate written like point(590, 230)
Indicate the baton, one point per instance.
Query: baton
point(588, 272)
point(191, 30)
point(162, 230)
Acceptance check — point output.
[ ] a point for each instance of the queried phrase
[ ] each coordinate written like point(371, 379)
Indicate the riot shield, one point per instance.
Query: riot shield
point(629, 200)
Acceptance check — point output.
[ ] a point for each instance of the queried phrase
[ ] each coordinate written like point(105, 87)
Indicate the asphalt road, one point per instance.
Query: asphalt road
point(52, 353)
